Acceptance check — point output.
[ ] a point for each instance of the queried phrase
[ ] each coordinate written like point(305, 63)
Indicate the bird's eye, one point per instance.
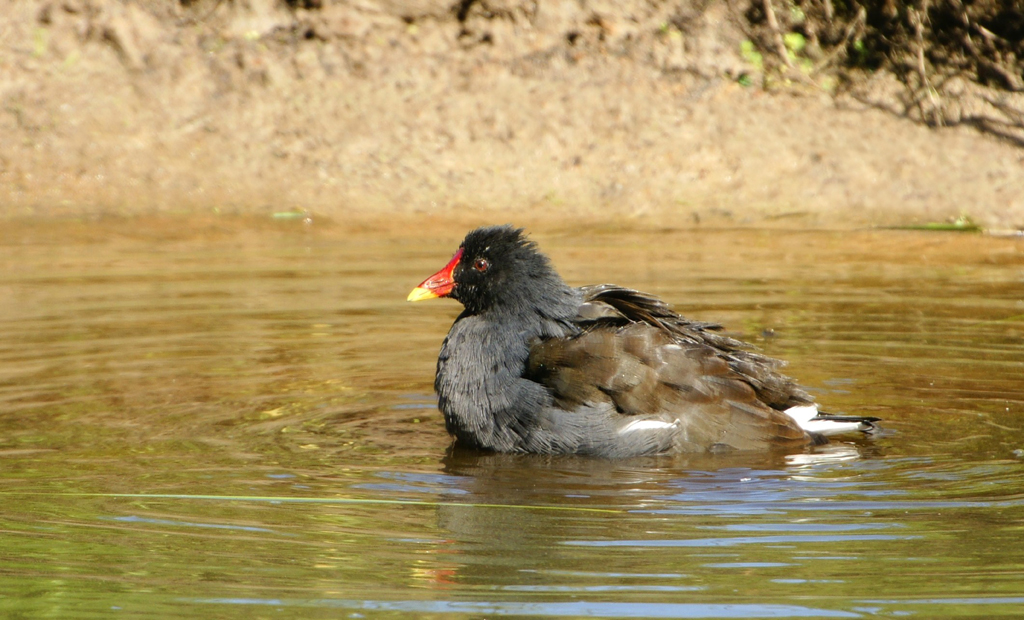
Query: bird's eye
point(481, 265)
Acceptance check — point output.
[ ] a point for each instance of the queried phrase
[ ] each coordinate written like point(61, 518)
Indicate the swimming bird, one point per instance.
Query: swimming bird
point(534, 365)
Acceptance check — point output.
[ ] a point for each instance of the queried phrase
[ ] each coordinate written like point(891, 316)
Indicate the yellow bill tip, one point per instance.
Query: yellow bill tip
point(419, 294)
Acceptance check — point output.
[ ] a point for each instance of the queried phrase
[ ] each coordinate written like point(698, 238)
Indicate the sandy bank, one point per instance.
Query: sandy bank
point(353, 110)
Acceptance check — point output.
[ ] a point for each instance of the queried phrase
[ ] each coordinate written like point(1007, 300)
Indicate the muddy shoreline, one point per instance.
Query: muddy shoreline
point(364, 112)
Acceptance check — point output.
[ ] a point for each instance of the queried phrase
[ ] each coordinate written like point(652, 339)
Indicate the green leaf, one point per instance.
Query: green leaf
point(750, 54)
point(794, 41)
point(964, 223)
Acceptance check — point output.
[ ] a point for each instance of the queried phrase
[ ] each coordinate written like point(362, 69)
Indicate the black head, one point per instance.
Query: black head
point(497, 267)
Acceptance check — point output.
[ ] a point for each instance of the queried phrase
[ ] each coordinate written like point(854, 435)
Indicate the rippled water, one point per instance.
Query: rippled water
point(233, 419)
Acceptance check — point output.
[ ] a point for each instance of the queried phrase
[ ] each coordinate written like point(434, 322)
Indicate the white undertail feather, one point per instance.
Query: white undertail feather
point(806, 417)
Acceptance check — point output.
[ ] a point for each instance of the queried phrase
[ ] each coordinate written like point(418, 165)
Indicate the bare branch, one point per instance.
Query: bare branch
point(773, 24)
point(917, 20)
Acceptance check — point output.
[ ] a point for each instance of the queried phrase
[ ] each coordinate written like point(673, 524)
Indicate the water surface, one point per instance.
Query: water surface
point(236, 420)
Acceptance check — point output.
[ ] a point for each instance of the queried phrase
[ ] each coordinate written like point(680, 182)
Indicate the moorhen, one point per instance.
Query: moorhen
point(534, 365)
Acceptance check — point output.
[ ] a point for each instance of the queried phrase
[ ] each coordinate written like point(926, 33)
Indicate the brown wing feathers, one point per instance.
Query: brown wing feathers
point(639, 367)
point(638, 355)
point(607, 305)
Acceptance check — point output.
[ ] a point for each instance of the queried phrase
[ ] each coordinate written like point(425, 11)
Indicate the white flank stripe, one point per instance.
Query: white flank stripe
point(645, 425)
point(828, 427)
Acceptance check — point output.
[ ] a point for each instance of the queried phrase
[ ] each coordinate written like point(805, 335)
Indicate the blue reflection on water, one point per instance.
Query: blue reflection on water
point(573, 608)
point(747, 564)
point(408, 482)
point(992, 600)
point(799, 527)
point(603, 588)
point(738, 540)
point(755, 508)
point(216, 526)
